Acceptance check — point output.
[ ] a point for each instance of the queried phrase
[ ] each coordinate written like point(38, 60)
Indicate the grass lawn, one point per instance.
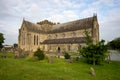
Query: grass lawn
point(22, 69)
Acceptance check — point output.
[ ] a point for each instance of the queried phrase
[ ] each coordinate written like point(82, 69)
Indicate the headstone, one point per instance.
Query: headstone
point(4, 54)
point(16, 54)
point(68, 60)
point(51, 59)
point(92, 72)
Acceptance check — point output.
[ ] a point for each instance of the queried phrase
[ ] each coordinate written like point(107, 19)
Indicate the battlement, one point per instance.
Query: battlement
point(46, 22)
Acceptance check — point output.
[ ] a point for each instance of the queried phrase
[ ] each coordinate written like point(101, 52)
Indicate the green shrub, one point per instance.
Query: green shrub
point(66, 55)
point(39, 54)
point(94, 54)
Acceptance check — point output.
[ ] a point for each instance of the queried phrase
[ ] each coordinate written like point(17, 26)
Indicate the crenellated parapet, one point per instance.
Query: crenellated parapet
point(46, 22)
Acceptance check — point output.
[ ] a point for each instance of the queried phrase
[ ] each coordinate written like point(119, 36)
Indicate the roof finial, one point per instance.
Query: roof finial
point(94, 14)
point(23, 18)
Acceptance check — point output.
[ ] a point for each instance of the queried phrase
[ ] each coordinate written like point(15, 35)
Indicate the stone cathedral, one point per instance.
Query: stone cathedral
point(51, 36)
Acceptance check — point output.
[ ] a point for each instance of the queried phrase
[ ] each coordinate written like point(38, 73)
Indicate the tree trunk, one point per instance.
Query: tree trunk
point(93, 62)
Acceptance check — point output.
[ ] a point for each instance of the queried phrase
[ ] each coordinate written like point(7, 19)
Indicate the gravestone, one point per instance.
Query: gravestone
point(16, 54)
point(51, 59)
point(92, 72)
point(4, 54)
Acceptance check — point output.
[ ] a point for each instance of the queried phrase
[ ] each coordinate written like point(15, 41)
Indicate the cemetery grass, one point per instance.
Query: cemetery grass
point(22, 69)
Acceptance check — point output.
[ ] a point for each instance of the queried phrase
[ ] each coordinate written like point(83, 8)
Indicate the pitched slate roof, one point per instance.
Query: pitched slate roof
point(33, 27)
point(65, 40)
point(72, 26)
point(58, 28)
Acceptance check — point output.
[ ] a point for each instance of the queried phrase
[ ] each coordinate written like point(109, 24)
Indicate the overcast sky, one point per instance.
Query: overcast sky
point(12, 13)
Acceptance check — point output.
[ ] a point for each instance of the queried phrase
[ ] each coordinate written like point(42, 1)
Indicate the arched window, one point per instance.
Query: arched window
point(34, 39)
point(63, 35)
point(37, 39)
point(69, 47)
point(79, 46)
point(43, 47)
point(56, 36)
point(23, 39)
point(74, 34)
point(29, 38)
point(49, 36)
point(49, 47)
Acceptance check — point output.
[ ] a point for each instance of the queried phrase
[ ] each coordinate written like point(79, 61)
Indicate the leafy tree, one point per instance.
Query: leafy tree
point(88, 40)
point(115, 44)
point(1, 40)
point(94, 53)
point(15, 45)
point(39, 54)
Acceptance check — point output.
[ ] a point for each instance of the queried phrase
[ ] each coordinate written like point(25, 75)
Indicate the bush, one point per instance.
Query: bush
point(39, 54)
point(66, 55)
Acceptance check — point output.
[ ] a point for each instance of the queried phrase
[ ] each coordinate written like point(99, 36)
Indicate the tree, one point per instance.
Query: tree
point(114, 44)
point(15, 45)
point(88, 40)
point(1, 40)
point(94, 53)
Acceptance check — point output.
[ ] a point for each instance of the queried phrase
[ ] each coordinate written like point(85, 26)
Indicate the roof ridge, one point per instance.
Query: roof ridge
point(78, 20)
point(64, 27)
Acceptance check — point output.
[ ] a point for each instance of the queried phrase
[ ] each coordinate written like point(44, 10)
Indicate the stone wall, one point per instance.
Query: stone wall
point(30, 40)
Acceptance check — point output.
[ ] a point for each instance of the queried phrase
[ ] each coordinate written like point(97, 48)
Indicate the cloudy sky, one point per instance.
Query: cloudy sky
point(12, 13)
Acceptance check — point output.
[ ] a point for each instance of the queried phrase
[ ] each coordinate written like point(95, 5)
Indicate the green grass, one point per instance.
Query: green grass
point(22, 69)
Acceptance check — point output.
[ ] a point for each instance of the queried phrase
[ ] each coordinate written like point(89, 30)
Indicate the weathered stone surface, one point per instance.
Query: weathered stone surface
point(49, 36)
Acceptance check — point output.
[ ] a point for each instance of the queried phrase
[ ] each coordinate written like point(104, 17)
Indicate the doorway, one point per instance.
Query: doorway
point(58, 49)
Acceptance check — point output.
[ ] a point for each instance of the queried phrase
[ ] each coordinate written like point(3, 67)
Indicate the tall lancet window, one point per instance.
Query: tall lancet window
point(63, 35)
point(56, 36)
point(37, 39)
point(73, 34)
point(34, 39)
point(69, 47)
point(49, 36)
point(29, 38)
point(23, 39)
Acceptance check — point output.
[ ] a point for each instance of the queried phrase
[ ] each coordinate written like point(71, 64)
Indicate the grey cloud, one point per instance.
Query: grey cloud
point(3, 9)
point(12, 12)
